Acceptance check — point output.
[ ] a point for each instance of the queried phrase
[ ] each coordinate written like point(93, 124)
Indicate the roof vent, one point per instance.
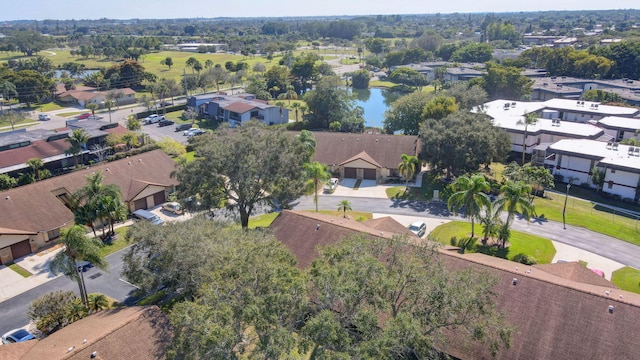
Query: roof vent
point(376, 140)
point(607, 292)
point(317, 227)
point(610, 309)
point(129, 163)
point(70, 349)
point(84, 341)
point(8, 198)
point(94, 354)
point(139, 160)
point(107, 169)
point(515, 281)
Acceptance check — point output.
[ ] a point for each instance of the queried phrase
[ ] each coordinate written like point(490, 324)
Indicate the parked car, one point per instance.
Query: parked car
point(172, 207)
point(83, 265)
point(165, 122)
point(183, 127)
point(190, 131)
point(17, 335)
point(83, 116)
point(148, 216)
point(44, 117)
point(419, 228)
point(94, 117)
point(197, 132)
point(153, 118)
point(331, 185)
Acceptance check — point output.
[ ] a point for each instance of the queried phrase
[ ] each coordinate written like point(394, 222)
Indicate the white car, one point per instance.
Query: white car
point(17, 335)
point(172, 207)
point(189, 132)
point(153, 118)
point(331, 185)
point(419, 228)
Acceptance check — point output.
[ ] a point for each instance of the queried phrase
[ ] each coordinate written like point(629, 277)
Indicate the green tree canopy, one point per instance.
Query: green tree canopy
point(405, 114)
point(244, 167)
point(329, 102)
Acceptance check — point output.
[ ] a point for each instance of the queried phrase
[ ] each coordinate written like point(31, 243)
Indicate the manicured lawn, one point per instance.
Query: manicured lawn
point(48, 107)
point(20, 270)
point(425, 193)
point(627, 279)
point(540, 248)
point(357, 215)
point(262, 221)
point(118, 244)
point(585, 214)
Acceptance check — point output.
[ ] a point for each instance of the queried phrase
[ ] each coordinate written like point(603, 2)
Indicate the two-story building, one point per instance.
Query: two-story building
point(239, 108)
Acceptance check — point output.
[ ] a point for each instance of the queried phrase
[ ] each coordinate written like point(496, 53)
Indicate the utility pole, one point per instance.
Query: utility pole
point(184, 81)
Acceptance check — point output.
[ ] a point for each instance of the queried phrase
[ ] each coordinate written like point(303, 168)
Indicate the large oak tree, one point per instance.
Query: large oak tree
point(244, 167)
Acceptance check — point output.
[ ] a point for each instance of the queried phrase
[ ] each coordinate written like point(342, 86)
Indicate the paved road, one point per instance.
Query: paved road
point(14, 310)
point(603, 245)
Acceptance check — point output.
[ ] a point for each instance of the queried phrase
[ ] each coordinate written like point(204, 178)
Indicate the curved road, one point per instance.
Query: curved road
point(603, 245)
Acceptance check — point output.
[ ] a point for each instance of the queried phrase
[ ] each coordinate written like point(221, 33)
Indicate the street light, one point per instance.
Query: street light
point(564, 225)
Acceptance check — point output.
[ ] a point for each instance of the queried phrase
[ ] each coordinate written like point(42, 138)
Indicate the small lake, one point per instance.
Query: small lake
point(374, 102)
point(58, 73)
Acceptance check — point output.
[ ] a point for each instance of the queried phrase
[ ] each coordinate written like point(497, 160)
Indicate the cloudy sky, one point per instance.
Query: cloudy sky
point(128, 9)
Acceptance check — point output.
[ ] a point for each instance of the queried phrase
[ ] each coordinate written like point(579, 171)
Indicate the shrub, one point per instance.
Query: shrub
point(464, 244)
point(525, 259)
point(52, 311)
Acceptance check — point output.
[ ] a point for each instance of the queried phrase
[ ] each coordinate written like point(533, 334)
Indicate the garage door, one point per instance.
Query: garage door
point(140, 204)
point(350, 173)
point(159, 198)
point(20, 249)
point(370, 174)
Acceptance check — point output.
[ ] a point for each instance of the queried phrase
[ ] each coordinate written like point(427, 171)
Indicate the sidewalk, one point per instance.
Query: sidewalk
point(12, 283)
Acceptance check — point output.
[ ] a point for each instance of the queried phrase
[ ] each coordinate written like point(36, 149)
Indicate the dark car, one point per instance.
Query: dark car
point(165, 122)
point(183, 127)
point(83, 116)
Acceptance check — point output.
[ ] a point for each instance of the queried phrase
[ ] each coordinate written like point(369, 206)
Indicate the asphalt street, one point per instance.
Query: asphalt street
point(603, 245)
point(14, 310)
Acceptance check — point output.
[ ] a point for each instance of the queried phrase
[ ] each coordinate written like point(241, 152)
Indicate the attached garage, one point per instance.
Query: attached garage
point(140, 204)
point(20, 249)
point(159, 198)
point(369, 174)
point(349, 173)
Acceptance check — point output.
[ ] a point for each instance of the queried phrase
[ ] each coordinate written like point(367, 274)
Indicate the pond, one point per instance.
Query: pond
point(58, 73)
point(375, 102)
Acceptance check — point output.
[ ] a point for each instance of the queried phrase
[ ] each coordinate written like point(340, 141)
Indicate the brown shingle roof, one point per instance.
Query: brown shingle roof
point(554, 317)
point(362, 156)
point(34, 207)
point(239, 107)
point(386, 150)
point(576, 272)
point(40, 149)
point(139, 333)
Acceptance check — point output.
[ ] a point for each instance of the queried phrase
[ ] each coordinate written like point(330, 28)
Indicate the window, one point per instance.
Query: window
point(53, 234)
point(610, 184)
point(613, 171)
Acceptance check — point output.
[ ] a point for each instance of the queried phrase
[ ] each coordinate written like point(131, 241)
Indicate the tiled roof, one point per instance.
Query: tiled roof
point(34, 207)
point(334, 148)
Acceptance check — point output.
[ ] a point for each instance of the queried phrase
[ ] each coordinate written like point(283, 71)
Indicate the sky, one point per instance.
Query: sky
point(166, 9)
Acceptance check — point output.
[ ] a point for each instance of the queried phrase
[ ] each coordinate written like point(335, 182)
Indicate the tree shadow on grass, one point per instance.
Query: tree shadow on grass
point(493, 250)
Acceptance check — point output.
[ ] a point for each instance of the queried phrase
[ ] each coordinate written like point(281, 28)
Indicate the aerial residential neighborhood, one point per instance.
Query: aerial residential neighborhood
point(335, 180)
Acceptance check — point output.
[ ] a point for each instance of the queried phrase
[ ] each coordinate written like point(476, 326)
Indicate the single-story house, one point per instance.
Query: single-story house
point(239, 108)
point(34, 214)
point(619, 163)
point(141, 333)
point(364, 156)
point(558, 311)
point(83, 97)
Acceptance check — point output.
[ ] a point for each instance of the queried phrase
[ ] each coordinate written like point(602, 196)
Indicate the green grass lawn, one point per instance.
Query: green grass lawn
point(627, 279)
point(425, 193)
point(262, 221)
point(357, 215)
point(540, 248)
point(20, 270)
point(118, 244)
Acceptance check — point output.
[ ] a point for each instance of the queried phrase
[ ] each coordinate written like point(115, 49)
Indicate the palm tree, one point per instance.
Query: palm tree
point(469, 193)
point(296, 107)
point(491, 222)
point(78, 140)
point(191, 62)
point(93, 107)
point(76, 310)
point(308, 143)
point(344, 206)
point(77, 246)
point(304, 109)
point(319, 174)
point(36, 165)
point(407, 167)
point(514, 197)
point(90, 203)
point(8, 91)
point(109, 104)
point(529, 119)
point(131, 139)
point(97, 302)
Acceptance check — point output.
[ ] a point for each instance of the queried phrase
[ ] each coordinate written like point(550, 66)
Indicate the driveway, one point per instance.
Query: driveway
point(368, 189)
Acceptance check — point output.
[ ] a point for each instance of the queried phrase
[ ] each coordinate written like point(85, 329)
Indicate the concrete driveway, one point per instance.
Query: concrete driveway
point(368, 188)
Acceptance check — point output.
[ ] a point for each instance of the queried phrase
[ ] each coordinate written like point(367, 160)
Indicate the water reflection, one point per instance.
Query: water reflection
point(374, 102)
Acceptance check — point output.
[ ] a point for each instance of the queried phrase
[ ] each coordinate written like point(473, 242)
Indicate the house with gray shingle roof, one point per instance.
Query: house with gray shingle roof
point(240, 108)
